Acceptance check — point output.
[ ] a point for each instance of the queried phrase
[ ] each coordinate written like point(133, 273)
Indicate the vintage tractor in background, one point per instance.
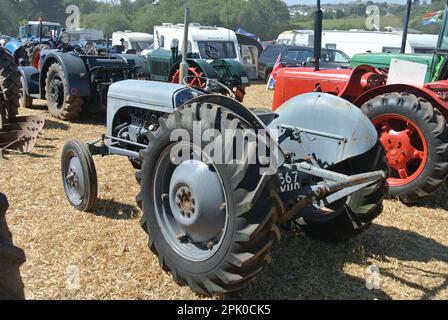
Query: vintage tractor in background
point(216, 185)
point(33, 38)
point(16, 133)
point(11, 258)
point(410, 119)
point(164, 66)
point(74, 81)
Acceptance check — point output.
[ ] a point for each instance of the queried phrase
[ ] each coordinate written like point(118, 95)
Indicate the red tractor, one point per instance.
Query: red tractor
point(411, 120)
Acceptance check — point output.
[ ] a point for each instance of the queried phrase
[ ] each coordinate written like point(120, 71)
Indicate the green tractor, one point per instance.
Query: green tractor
point(209, 63)
point(436, 63)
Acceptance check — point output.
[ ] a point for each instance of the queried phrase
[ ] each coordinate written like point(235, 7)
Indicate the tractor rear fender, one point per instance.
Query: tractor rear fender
point(31, 80)
point(361, 80)
point(140, 64)
point(74, 68)
point(205, 67)
point(16, 49)
point(330, 129)
point(421, 92)
point(13, 47)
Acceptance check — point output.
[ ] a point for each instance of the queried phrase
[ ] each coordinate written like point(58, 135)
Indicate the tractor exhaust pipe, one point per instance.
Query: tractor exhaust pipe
point(318, 36)
point(404, 40)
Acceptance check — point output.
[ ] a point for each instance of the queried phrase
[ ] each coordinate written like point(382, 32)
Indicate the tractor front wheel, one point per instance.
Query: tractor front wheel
point(415, 138)
point(79, 175)
point(60, 103)
point(211, 224)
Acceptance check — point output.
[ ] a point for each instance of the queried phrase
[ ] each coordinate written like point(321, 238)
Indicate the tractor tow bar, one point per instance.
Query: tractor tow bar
point(334, 187)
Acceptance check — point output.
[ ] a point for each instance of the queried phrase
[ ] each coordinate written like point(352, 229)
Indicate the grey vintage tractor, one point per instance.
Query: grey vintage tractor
point(74, 81)
point(218, 180)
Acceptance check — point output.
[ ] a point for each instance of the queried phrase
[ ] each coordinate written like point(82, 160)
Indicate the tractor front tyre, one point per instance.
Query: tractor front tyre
point(9, 86)
point(25, 100)
point(212, 225)
point(415, 137)
point(60, 103)
point(79, 175)
point(354, 214)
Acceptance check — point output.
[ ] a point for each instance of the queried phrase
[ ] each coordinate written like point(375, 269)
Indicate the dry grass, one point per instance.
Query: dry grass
point(408, 244)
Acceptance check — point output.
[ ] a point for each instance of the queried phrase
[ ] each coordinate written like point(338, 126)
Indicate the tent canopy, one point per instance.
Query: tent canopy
point(245, 33)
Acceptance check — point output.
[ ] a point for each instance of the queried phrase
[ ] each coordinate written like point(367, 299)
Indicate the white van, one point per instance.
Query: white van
point(137, 41)
point(208, 42)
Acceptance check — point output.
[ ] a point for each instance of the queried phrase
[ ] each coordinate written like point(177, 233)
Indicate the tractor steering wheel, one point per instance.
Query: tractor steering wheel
point(208, 87)
point(212, 52)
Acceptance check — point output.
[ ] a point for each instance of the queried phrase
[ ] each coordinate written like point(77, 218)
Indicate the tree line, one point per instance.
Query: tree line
point(266, 18)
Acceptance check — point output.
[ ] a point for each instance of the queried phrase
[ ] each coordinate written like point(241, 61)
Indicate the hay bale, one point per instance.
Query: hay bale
point(11, 258)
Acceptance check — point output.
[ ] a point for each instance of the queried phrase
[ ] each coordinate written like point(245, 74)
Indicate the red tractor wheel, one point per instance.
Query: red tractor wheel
point(194, 77)
point(414, 135)
point(405, 146)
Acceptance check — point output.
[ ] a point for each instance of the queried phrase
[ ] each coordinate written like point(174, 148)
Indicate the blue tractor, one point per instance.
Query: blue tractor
point(33, 38)
point(74, 81)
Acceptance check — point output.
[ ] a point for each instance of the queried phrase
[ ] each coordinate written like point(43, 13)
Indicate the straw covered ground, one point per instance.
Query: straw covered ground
point(109, 249)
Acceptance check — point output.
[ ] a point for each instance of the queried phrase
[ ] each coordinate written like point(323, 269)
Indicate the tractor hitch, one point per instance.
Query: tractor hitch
point(335, 186)
point(20, 134)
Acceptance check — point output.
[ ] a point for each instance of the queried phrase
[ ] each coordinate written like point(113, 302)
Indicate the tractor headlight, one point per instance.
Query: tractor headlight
point(65, 38)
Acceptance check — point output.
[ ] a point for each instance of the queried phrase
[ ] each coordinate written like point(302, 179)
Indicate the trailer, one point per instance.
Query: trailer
point(360, 41)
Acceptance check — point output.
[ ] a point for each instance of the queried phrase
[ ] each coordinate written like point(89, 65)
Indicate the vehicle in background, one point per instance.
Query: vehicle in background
point(359, 41)
point(250, 50)
point(33, 38)
point(132, 42)
point(223, 42)
point(266, 44)
point(79, 35)
point(296, 38)
point(298, 56)
point(212, 53)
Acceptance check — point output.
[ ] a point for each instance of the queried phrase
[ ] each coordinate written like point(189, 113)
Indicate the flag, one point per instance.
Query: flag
point(432, 18)
point(278, 65)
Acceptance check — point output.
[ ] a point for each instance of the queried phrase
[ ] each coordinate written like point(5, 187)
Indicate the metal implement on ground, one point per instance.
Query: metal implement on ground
point(219, 180)
point(16, 133)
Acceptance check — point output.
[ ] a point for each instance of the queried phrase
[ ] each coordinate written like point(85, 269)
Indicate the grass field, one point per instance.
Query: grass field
point(108, 247)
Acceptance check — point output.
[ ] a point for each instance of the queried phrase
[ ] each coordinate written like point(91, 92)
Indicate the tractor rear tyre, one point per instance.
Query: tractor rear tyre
point(60, 103)
point(415, 137)
point(33, 52)
point(25, 100)
point(79, 175)
point(11, 258)
point(353, 215)
point(9, 87)
point(212, 225)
